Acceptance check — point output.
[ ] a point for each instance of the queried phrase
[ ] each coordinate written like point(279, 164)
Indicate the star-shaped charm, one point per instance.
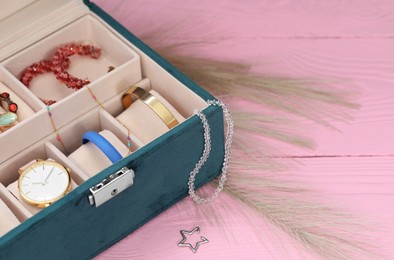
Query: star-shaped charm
point(194, 249)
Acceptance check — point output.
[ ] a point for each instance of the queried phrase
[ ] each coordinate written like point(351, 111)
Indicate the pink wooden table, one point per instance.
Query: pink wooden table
point(353, 167)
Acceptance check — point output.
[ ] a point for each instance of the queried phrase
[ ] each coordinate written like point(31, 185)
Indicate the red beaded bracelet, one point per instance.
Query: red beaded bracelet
point(61, 57)
point(59, 65)
point(36, 69)
point(62, 61)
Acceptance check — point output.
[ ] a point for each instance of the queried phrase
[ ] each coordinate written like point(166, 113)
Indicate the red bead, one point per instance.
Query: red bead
point(13, 107)
point(4, 95)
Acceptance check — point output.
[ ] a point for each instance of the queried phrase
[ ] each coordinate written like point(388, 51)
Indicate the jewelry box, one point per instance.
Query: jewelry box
point(107, 201)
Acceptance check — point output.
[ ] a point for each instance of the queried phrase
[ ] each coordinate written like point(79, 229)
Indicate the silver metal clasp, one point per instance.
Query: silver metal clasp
point(111, 186)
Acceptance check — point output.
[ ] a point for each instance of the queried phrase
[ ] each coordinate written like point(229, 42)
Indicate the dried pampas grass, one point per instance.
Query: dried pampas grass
point(326, 232)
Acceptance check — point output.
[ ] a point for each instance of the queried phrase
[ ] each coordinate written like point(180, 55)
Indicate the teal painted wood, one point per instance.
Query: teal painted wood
point(73, 229)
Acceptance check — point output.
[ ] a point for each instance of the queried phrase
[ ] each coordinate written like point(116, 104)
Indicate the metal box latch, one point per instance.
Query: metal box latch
point(111, 186)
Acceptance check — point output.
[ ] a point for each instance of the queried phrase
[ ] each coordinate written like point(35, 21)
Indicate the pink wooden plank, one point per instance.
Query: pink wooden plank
point(234, 238)
point(266, 19)
point(347, 40)
point(344, 183)
point(364, 65)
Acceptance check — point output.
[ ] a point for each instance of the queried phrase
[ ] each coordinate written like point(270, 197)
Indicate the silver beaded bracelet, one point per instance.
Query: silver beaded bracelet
point(207, 149)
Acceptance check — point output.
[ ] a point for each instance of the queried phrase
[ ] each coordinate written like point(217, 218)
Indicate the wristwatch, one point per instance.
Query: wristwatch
point(41, 183)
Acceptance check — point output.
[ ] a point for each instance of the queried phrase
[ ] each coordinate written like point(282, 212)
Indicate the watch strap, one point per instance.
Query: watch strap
point(14, 190)
point(24, 167)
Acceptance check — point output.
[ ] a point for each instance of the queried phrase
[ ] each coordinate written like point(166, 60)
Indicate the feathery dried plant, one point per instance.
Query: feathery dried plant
point(326, 232)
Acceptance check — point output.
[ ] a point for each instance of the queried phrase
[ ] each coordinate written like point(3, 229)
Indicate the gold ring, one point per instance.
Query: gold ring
point(136, 93)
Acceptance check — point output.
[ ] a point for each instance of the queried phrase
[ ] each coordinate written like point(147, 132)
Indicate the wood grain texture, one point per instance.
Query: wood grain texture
point(350, 42)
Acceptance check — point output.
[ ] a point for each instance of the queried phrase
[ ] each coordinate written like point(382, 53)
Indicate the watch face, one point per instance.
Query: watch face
point(44, 182)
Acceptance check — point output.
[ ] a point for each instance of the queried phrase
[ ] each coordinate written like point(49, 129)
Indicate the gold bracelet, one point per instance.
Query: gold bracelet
point(134, 93)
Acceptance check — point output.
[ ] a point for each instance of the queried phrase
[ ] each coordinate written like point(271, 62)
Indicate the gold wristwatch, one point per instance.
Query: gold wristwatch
point(41, 183)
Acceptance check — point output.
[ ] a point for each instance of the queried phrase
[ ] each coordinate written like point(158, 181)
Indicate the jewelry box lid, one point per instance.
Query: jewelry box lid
point(10, 7)
point(23, 22)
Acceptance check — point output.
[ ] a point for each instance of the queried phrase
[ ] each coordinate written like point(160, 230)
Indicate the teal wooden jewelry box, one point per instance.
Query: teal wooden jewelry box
point(72, 228)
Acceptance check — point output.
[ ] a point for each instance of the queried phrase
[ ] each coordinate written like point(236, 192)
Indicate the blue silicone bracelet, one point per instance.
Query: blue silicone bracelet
point(106, 147)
